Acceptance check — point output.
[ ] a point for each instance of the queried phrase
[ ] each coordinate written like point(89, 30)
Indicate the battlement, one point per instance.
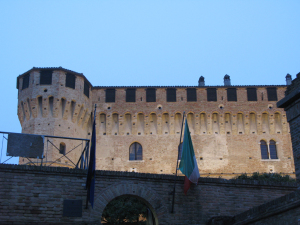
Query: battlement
point(228, 124)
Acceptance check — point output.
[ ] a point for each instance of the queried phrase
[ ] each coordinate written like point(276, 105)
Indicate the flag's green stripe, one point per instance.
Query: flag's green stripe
point(187, 164)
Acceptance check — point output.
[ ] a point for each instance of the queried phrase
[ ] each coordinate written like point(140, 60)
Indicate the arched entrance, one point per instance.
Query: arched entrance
point(128, 209)
point(145, 194)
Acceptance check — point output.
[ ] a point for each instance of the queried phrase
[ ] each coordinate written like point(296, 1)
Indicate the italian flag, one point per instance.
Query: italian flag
point(188, 164)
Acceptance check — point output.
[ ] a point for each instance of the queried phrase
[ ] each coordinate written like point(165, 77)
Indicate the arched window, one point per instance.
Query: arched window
point(273, 151)
point(62, 148)
point(264, 150)
point(179, 151)
point(268, 152)
point(135, 151)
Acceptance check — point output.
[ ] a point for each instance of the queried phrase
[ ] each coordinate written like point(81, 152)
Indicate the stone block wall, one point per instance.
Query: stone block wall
point(31, 195)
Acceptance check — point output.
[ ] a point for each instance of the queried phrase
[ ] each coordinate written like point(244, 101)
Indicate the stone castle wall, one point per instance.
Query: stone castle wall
point(35, 195)
point(226, 135)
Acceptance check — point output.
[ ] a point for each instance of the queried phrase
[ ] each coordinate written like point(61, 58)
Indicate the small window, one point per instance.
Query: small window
point(136, 151)
point(86, 89)
point(273, 151)
point(62, 148)
point(171, 95)
point(46, 77)
point(211, 94)
point(130, 94)
point(110, 95)
point(264, 150)
point(268, 152)
point(231, 95)
point(191, 94)
point(25, 81)
point(272, 94)
point(70, 80)
point(180, 151)
point(251, 94)
point(150, 95)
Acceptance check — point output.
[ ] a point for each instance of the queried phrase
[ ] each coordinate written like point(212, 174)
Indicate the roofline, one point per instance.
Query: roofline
point(56, 68)
point(215, 86)
point(102, 87)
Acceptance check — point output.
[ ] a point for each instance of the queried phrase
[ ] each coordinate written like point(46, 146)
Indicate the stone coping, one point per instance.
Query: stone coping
point(170, 178)
point(268, 209)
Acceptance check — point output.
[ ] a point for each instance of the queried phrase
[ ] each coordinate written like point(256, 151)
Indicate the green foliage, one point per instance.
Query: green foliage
point(275, 177)
point(125, 210)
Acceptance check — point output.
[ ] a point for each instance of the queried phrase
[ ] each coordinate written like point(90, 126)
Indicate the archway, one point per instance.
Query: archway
point(128, 209)
point(149, 197)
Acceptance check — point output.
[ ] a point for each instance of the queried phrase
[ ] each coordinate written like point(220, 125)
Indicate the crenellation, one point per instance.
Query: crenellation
point(225, 133)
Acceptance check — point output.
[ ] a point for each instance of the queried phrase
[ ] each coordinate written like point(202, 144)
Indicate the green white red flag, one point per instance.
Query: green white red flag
point(188, 164)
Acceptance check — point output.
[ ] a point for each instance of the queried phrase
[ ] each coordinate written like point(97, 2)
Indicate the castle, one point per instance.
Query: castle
point(234, 129)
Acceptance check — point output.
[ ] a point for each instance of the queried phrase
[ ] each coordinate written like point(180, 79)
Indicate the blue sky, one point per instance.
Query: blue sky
point(148, 43)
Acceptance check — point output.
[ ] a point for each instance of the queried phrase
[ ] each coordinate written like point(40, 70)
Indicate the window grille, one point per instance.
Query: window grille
point(136, 151)
point(70, 80)
point(150, 95)
point(110, 95)
point(25, 81)
point(231, 95)
point(46, 77)
point(171, 95)
point(272, 94)
point(191, 94)
point(251, 94)
point(86, 89)
point(211, 94)
point(130, 94)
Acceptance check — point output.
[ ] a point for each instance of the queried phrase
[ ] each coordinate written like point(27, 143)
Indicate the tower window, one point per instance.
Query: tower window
point(211, 94)
point(110, 95)
point(231, 94)
point(171, 95)
point(25, 81)
point(62, 148)
point(191, 94)
point(272, 94)
point(268, 152)
point(46, 77)
point(251, 94)
point(150, 95)
point(86, 89)
point(70, 80)
point(130, 94)
point(136, 151)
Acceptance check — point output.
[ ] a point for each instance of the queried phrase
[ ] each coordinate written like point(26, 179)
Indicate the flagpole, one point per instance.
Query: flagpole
point(87, 188)
point(177, 164)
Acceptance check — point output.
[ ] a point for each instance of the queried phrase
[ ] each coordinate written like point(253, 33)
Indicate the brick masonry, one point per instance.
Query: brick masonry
point(226, 134)
point(34, 195)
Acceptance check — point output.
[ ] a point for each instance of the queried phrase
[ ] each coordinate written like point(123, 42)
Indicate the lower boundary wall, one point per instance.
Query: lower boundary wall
point(35, 195)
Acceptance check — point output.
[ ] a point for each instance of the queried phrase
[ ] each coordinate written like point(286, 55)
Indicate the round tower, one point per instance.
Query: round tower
point(57, 102)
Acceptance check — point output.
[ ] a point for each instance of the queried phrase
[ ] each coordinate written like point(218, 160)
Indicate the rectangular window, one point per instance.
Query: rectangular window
point(70, 80)
point(46, 77)
point(110, 95)
point(25, 81)
point(130, 95)
point(191, 94)
point(211, 94)
point(86, 89)
point(231, 95)
point(150, 95)
point(272, 94)
point(251, 94)
point(171, 95)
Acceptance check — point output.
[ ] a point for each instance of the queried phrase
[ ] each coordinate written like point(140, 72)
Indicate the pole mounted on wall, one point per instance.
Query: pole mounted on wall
point(175, 178)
